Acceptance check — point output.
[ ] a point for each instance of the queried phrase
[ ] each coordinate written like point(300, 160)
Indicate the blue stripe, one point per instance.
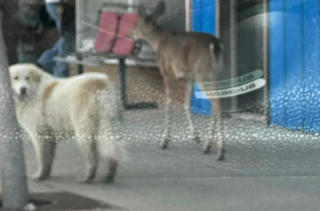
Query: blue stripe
point(196, 15)
point(204, 20)
point(209, 19)
point(294, 105)
point(277, 62)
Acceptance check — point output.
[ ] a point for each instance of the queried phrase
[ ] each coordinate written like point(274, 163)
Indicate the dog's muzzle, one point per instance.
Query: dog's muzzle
point(22, 95)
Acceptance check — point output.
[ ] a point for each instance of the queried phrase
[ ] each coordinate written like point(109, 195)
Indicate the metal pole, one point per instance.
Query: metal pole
point(188, 15)
point(233, 48)
point(80, 66)
point(130, 5)
point(13, 171)
point(79, 26)
point(218, 18)
point(265, 49)
point(123, 82)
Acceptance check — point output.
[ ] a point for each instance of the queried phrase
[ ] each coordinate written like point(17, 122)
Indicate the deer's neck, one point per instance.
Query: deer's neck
point(153, 38)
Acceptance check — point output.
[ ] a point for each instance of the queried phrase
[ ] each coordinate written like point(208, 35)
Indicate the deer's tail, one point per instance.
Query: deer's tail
point(216, 50)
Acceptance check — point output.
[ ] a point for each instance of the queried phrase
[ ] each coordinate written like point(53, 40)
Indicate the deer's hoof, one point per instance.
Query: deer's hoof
point(220, 154)
point(84, 179)
point(109, 178)
point(196, 138)
point(164, 143)
point(206, 149)
point(40, 176)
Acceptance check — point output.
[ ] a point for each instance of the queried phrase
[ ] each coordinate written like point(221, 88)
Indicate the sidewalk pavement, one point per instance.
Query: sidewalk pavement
point(266, 168)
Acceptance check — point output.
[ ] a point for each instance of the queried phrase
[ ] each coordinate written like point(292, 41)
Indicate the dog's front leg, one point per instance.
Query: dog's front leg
point(44, 144)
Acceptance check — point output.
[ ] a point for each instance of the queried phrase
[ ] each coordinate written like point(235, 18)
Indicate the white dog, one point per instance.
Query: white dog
point(85, 106)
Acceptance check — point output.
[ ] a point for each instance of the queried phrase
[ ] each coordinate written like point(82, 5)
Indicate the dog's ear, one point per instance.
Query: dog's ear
point(11, 71)
point(35, 73)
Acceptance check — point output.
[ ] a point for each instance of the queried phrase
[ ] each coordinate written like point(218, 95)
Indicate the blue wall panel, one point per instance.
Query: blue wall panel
point(209, 16)
point(294, 110)
point(295, 63)
point(196, 15)
point(277, 61)
point(294, 60)
point(203, 20)
point(311, 32)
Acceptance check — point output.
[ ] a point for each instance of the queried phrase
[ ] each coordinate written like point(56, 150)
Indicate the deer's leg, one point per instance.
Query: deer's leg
point(211, 129)
point(187, 106)
point(216, 124)
point(166, 134)
point(220, 141)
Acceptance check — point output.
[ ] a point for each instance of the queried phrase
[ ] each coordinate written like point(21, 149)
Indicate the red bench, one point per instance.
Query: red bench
point(113, 42)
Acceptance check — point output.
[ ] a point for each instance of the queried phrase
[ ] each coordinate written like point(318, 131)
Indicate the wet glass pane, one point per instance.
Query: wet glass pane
point(160, 105)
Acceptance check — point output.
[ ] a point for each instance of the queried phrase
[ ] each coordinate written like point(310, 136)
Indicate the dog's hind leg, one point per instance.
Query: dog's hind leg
point(88, 148)
point(107, 138)
point(112, 170)
point(45, 145)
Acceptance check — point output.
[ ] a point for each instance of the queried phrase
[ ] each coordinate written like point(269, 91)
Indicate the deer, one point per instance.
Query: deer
point(187, 57)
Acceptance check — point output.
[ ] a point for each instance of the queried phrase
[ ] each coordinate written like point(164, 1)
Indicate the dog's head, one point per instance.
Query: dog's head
point(25, 79)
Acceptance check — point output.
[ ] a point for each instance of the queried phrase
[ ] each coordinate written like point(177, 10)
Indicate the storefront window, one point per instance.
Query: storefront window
point(152, 105)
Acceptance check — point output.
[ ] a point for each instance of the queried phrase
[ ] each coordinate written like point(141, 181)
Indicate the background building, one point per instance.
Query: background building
point(280, 37)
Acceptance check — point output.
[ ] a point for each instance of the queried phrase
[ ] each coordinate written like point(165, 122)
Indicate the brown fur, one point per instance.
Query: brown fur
point(92, 85)
point(48, 91)
point(183, 56)
point(35, 73)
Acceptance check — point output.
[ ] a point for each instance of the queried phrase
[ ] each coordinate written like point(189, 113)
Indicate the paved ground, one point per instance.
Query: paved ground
point(265, 169)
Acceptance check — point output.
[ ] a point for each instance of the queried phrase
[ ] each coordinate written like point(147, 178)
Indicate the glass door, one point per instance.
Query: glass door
point(243, 29)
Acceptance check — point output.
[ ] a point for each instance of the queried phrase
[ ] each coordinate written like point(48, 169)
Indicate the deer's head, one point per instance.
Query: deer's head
point(146, 23)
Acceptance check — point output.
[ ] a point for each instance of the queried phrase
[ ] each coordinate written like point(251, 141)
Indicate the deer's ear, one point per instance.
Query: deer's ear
point(159, 10)
point(142, 11)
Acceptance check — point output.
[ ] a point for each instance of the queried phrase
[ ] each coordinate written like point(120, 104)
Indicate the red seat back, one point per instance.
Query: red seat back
point(109, 21)
point(124, 45)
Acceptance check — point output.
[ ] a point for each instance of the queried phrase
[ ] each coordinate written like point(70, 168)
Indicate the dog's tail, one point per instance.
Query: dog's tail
point(216, 49)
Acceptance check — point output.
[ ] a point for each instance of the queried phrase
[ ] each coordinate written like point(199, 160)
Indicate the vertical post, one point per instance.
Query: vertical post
point(80, 69)
point(79, 30)
point(13, 171)
point(233, 47)
point(123, 84)
point(130, 5)
point(188, 15)
point(79, 66)
point(79, 26)
point(265, 49)
point(217, 18)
